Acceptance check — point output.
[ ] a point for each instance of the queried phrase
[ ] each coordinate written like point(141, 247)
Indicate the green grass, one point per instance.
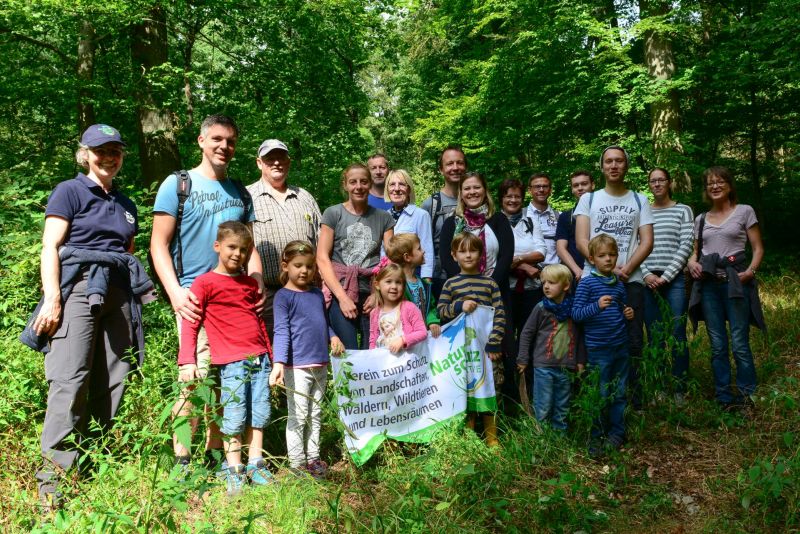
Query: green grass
point(689, 469)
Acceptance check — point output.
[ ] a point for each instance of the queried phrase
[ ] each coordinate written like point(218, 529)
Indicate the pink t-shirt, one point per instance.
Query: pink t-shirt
point(729, 237)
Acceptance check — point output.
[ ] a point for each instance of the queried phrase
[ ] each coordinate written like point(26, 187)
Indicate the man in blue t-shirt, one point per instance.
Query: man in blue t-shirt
point(378, 170)
point(580, 182)
point(214, 199)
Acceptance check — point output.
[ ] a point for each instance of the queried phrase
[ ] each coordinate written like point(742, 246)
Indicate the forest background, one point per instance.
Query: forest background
point(524, 86)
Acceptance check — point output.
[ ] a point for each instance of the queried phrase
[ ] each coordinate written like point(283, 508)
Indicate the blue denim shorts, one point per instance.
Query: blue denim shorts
point(244, 394)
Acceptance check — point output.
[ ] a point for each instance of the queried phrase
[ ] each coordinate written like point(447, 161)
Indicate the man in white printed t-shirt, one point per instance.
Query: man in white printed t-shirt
point(626, 216)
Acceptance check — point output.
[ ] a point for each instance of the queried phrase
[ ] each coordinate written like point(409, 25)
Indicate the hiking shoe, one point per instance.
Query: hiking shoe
point(50, 499)
point(595, 450)
point(235, 479)
point(680, 399)
point(258, 473)
point(299, 472)
point(317, 469)
point(615, 442)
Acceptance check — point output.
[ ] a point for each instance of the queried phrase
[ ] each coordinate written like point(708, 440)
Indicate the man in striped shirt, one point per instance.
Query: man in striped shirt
point(284, 213)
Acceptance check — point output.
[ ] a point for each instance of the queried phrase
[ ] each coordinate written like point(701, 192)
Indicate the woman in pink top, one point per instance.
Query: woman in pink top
point(726, 284)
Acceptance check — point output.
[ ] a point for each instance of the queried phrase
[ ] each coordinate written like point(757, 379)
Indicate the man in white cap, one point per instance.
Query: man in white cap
point(284, 213)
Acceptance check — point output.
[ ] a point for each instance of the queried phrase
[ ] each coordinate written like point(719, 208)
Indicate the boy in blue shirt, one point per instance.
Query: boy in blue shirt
point(600, 305)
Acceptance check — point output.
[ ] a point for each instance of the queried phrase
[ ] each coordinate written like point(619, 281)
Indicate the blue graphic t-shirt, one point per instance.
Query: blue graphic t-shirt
point(210, 203)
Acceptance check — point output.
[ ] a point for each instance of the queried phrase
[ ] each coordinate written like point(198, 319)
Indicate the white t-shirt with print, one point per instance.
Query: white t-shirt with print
point(620, 217)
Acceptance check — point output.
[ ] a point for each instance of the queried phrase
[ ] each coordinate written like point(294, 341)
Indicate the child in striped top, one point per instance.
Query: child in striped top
point(600, 305)
point(463, 293)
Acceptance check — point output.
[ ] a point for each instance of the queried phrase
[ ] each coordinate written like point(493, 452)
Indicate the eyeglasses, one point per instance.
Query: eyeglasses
point(540, 187)
point(512, 197)
point(658, 181)
point(712, 185)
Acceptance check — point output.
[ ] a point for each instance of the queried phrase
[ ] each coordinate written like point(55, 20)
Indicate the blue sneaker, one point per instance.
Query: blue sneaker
point(235, 479)
point(258, 473)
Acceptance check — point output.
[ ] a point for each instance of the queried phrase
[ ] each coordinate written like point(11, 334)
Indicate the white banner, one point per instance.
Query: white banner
point(408, 396)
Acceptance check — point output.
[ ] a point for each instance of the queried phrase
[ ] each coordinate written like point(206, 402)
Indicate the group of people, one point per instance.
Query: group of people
point(240, 268)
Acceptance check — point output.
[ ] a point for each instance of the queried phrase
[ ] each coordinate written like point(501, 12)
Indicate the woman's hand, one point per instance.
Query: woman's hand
point(49, 317)
point(521, 367)
point(695, 269)
point(529, 270)
point(276, 375)
point(337, 347)
point(746, 276)
point(348, 307)
point(369, 304)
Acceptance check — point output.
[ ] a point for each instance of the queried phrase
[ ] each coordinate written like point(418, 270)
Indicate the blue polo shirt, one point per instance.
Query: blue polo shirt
point(98, 220)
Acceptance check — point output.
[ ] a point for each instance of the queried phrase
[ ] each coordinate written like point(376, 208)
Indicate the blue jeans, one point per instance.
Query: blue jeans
point(245, 395)
point(551, 395)
point(348, 329)
point(634, 297)
point(717, 308)
point(613, 364)
point(659, 329)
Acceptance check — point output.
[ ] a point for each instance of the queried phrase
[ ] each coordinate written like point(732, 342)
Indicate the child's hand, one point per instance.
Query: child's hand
point(605, 301)
point(276, 376)
point(337, 347)
point(436, 330)
point(628, 313)
point(396, 345)
point(469, 306)
point(188, 372)
point(494, 356)
point(581, 367)
point(521, 367)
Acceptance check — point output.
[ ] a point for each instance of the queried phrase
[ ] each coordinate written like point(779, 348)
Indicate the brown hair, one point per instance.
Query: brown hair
point(581, 172)
point(400, 245)
point(511, 183)
point(536, 175)
point(723, 173)
point(291, 251)
point(466, 241)
point(237, 229)
point(489, 202)
point(352, 167)
point(455, 147)
point(386, 270)
point(602, 240)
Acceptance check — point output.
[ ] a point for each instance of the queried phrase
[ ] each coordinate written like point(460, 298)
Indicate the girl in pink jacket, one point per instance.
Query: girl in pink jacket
point(394, 323)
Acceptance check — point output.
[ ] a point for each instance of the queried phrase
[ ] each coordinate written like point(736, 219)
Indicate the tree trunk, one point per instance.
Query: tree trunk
point(665, 111)
point(158, 149)
point(85, 74)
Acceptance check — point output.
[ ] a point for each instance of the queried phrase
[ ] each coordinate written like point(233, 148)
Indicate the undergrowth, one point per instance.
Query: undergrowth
point(690, 467)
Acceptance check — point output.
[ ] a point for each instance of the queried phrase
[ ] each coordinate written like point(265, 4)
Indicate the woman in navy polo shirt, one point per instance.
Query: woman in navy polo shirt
point(87, 363)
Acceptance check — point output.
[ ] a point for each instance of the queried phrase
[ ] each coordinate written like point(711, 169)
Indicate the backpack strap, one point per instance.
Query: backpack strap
point(183, 186)
point(700, 235)
point(436, 206)
point(591, 199)
point(528, 224)
point(247, 198)
point(638, 200)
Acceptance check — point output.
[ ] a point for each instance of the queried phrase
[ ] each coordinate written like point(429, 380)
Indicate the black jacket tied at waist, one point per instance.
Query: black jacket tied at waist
point(100, 267)
point(732, 265)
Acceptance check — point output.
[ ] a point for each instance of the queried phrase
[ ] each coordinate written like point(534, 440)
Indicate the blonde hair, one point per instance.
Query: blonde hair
point(557, 273)
point(488, 198)
point(402, 173)
point(602, 240)
point(387, 270)
point(400, 245)
point(291, 251)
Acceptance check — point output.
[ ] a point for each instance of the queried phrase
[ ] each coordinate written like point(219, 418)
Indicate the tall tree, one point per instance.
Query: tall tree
point(158, 148)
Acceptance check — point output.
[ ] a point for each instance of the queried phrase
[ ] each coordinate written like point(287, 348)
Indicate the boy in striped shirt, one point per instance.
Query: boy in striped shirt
point(463, 293)
point(600, 305)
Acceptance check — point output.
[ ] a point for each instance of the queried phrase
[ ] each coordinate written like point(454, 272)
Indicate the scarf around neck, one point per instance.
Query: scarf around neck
point(562, 310)
point(515, 219)
point(474, 222)
point(607, 280)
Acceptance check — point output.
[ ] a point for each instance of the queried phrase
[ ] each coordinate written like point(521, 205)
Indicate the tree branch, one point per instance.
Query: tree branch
point(43, 44)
